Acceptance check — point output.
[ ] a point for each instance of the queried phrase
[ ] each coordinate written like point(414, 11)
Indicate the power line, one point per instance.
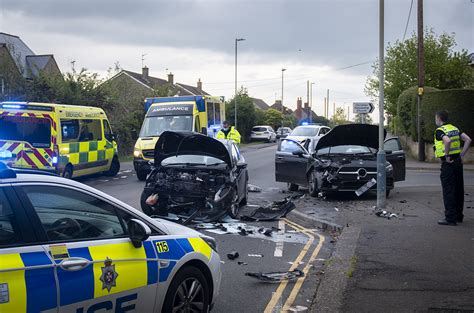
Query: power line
point(408, 20)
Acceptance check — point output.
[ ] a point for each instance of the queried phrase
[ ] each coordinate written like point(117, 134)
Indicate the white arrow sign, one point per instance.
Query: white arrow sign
point(363, 107)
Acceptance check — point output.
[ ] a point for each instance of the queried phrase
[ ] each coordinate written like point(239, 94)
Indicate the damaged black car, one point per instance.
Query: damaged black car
point(345, 159)
point(195, 177)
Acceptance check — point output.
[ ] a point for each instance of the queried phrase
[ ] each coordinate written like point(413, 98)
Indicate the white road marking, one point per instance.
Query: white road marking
point(123, 177)
point(119, 173)
point(279, 244)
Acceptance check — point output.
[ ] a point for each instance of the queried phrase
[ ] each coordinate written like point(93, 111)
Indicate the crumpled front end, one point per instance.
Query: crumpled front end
point(191, 194)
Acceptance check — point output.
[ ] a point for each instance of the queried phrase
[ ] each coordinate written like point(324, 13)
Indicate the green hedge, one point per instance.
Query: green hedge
point(405, 121)
point(458, 102)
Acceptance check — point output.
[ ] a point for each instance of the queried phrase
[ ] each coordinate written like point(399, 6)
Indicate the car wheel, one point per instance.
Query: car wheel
point(293, 187)
point(68, 171)
point(114, 167)
point(313, 184)
point(234, 208)
point(142, 175)
point(188, 292)
point(244, 200)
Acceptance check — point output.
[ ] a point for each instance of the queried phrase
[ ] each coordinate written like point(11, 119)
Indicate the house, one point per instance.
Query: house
point(148, 84)
point(259, 104)
point(278, 106)
point(302, 112)
point(19, 65)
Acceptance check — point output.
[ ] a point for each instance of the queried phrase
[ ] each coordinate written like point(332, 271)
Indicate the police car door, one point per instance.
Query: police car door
point(27, 282)
point(98, 268)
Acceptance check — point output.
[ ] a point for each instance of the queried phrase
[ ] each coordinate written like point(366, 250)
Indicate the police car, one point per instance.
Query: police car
point(67, 247)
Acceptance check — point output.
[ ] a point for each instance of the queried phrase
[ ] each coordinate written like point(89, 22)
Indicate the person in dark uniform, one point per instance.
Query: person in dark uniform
point(447, 145)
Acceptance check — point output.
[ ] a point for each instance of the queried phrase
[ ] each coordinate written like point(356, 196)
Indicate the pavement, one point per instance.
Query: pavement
point(412, 164)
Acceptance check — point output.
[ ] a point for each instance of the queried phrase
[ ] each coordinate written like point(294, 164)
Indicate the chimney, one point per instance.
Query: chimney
point(306, 106)
point(171, 78)
point(145, 72)
point(199, 86)
point(298, 104)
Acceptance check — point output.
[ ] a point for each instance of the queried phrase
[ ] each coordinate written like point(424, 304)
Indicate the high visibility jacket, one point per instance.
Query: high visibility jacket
point(233, 135)
point(453, 133)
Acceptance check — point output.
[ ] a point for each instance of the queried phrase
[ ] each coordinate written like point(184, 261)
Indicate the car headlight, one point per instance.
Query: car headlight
point(389, 168)
point(137, 153)
point(211, 242)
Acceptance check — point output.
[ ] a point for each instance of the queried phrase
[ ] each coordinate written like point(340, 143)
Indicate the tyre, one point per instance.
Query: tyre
point(293, 187)
point(114, 167)
point(188, 292)
point(68, 171)
point(234, 208)
point(313, 184)
point(244, 200)
point(148, 210)
point(142, 175)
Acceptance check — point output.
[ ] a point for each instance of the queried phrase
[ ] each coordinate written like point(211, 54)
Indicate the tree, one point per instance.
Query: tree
point(444, 68)
point(289, 120)
point(339, 117)
point(366, 118)
point(274, 118)
point(259, 117)
point(246, 116)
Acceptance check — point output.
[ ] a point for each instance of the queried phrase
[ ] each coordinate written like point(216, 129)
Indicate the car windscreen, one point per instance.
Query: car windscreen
point(34, 130)
point(155, 125)
point(304, 131)
point(345, 149)
point(192, 159)
point(259, 129)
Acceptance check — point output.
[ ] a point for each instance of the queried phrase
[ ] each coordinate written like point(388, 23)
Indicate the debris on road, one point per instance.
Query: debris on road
point(386, 214)
point(233, 255)
point(365, 187)
point(256, 255)
point(403, 201)
point(242, 263)
point(272, 211)
point(253, 188)
point(298, 308)
point(277, 276)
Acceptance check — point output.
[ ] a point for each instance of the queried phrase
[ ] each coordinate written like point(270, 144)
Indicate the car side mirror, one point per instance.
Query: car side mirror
point(204, 131)
point(138, 232)
point(298, 153)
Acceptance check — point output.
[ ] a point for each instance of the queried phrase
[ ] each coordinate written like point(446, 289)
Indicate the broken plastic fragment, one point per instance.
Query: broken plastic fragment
point(253, 188)
point(256, 255)
point(277, 276)
point(242, 263)
point(272, 211)
point(233, 255)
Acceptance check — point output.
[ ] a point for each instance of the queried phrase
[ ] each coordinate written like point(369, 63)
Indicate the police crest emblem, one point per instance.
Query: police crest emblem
point(109, 275)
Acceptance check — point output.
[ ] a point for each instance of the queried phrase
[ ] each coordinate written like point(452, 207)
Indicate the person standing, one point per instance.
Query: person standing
point(229, 132)
point(447, 145)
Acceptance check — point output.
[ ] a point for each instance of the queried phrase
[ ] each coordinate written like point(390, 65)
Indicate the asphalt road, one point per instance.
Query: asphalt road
point(294, 246)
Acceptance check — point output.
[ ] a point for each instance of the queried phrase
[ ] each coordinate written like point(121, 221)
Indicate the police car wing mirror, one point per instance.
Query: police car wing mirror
point(138, 232)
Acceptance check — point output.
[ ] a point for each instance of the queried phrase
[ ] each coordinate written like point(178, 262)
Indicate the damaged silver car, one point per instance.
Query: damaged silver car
point(195, 177)
point(344, 160)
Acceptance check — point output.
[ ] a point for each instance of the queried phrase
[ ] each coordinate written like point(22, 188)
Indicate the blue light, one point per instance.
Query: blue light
point(11, 106)
point(55, 160)
point(304, 123)
point(5, 155)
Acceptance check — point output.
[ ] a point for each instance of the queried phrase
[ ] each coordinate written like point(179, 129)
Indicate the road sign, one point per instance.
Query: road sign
point(363, 107)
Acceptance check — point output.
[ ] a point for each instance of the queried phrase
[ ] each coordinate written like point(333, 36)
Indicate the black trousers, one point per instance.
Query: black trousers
point(452, 181)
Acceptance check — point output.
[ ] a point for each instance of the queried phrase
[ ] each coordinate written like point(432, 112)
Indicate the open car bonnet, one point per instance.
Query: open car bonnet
point(351, 134)
point(188, 143)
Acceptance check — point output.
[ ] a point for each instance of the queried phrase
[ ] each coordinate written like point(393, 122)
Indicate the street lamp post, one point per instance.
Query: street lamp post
point(235, 95)
point(381, 159)
point(282, 70)
point(311, 103)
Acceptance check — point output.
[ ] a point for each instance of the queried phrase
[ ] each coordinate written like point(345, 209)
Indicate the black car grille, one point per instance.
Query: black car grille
point(149, 154)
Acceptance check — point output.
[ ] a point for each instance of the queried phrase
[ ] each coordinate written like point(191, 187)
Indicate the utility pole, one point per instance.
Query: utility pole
point(334, 109)
point(311, 103)
point(327, 104)
point(421, 82)
point(381, 159)
point(307, 95)
point(235, 95)
point(325, 112)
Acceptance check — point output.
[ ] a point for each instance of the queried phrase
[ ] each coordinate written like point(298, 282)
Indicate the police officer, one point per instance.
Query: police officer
point(229, 132)
point(447, 144)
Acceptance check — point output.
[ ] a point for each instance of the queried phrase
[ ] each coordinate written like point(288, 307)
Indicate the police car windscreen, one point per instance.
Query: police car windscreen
point(155, 125)
point(36, 131)
point(304, 131)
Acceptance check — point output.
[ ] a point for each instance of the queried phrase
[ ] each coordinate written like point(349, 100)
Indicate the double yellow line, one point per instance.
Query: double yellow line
point(279, 292)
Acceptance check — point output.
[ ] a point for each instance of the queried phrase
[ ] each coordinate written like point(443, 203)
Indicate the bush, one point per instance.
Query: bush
point(404, 122)
point(458, 102)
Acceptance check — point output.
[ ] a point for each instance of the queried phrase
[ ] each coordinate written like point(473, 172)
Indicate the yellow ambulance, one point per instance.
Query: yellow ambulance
point(65, 139)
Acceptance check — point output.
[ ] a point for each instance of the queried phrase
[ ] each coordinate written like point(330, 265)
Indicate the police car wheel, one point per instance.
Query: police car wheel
point(67, 173)
point(188, 292)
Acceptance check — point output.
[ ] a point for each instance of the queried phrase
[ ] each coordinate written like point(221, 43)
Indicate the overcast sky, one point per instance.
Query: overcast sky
point(314, 40)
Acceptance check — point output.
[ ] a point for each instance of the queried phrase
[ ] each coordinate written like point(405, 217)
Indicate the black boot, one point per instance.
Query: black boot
point(445, 222)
